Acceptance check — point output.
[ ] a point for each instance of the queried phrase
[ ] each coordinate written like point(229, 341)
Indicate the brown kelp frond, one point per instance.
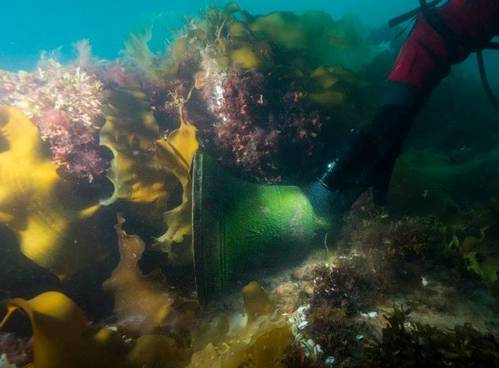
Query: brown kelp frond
point(62, 337)
point(175, 154)
point(261, 342)
point(130, 132)
point(37, 204)
point(140, 304)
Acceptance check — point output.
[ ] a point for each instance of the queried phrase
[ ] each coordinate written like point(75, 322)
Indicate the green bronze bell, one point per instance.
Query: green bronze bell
point(241, 228)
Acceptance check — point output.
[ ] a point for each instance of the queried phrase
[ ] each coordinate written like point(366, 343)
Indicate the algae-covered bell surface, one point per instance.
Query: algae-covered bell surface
point(152, 210)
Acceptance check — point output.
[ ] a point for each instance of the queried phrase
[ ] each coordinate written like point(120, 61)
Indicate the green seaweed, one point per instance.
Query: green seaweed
point(473, 234)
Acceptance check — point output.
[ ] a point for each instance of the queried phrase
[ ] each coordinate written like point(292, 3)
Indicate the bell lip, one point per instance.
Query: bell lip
point(208, 284)
point(213, 271)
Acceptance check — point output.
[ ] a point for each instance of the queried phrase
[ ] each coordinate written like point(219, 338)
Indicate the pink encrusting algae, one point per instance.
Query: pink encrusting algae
point(65, 103)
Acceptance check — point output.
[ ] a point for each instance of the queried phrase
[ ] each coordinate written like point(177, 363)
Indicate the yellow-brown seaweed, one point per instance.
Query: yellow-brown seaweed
point(142, 305)
point(130, 132)
point(36, 203)
point(62, 337)
point(261, 344)
point(175, 154)
point(146, 169)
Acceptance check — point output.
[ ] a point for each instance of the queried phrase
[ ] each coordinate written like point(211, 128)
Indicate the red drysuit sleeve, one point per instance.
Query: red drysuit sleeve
point(425, 59)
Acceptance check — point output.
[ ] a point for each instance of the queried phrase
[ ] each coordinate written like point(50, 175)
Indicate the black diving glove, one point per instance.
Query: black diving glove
point(367, 162)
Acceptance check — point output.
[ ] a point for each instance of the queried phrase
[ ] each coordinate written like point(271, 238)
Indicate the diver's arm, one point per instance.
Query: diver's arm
point(427, 56)
point(424, 60)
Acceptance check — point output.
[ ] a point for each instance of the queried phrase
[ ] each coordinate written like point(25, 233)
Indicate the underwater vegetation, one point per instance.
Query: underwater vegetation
point(154, 326)
point(121, 143)
point(17, 351)
point(270, 97)
point(65, 102)
point(33, 192)
point(147, 167)
point(408, 344)
point(379, 259)
point(63, 337)
point(474, 234)
point(257, 87)
point(140, 305)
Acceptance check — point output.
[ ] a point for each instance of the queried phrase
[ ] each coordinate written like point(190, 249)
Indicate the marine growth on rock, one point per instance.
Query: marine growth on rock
point(66, 104)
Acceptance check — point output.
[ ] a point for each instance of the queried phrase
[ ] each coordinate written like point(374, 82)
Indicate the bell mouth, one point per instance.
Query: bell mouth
point(241, 228)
